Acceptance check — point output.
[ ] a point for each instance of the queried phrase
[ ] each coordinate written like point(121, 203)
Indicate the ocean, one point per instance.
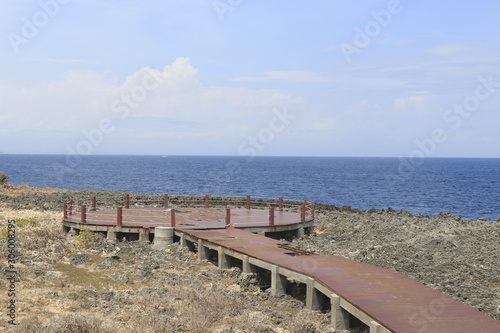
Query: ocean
point(466, 187)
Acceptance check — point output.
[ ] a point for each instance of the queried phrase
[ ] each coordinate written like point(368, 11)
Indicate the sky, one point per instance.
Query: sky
point(391, 78)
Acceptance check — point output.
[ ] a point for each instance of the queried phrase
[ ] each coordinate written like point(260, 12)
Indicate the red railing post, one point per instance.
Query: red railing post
point(84, 214)
point(165, 200)
point(206, 200)
point(248, 202)
point(94, 204)
point(127, 201)
point(313, 209)
point(302, 213)
point(119, 216)
point(271, 216)
point(65, 214)
point(70, 208)
point(228, 216)
point(172, 218)
point(280, 203)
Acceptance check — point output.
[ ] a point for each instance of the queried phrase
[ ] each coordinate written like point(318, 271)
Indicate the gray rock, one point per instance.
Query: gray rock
point(80, 259)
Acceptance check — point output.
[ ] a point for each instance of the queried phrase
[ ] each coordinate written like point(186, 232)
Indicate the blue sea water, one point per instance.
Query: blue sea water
point(466, 187)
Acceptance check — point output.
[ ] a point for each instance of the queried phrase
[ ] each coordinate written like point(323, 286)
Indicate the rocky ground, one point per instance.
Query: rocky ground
point(85, 284)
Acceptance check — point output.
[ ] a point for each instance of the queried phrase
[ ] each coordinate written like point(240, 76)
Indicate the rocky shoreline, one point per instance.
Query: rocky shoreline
point(129, 283)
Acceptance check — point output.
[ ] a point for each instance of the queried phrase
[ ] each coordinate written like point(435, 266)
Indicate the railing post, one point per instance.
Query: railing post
point(206, 200)
point(94, 204)
point(248, 202)
point(70, 208)
point(280, 203)
point(228, 216)
point(271, 216)
point(83, 214)
point(119, 216)
point(172, 218)
point(302, 213)
point(165, 200)
point(127, 201)
point(65, 214)
point(313, 210)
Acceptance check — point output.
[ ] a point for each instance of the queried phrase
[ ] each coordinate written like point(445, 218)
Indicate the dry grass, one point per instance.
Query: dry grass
point(181, 295)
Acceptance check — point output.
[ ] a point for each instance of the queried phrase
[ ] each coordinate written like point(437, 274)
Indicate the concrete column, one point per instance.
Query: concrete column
point(312, 295)
point(164, 236)
point(143, 235)
point(183, 242)
point(278, 282)
point(247, 266)
point(375, 327)
point(340, 317)
point(300, 232)
point(223, 259)
point(203, 251)
point(72, 232)
point(111, 236)
point(261, 233)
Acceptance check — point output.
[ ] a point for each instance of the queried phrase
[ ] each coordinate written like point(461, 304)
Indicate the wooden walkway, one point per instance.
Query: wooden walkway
point(384, 300)
point(388, 298)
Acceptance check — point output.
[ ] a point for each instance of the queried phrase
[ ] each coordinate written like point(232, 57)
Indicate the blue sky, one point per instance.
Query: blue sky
point(235, 77)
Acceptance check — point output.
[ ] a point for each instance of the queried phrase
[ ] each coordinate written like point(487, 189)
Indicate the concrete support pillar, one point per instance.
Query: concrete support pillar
point(300, 232)
point(247, 266)
point(111, 236)
point(164, 236)
point(340, 317)
point(375, 327)
point(72, 232)
point(278, 282)
point(224, 260)
point(182, 242)
point(203, 251)
point(143, 235)
point(313, 300)
point(261, 233)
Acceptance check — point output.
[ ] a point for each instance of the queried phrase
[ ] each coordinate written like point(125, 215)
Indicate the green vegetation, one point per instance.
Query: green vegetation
point(86, 239)
point(3, 178)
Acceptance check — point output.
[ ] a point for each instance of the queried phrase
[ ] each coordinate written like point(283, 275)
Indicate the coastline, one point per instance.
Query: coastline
point(453, 255)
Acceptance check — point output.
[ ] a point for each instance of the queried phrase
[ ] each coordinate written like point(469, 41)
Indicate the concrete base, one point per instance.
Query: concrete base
point(247, 266)
point(144, 236)
point(203, 251)
point(223, 259)
point(312, 296)
point(340, 317)
point(111, 236)
point(278, 282)
point(164, 236)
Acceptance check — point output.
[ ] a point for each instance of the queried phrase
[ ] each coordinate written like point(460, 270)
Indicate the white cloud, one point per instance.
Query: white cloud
point(81, 99)
point(415, 104)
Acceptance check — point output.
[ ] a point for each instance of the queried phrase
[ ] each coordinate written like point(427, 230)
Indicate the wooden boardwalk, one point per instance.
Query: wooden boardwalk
point(384, 300)
point(394, 301)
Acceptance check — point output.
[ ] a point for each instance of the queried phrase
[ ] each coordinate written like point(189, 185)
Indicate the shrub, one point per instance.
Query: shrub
point(86, 239)
point(3, 178)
